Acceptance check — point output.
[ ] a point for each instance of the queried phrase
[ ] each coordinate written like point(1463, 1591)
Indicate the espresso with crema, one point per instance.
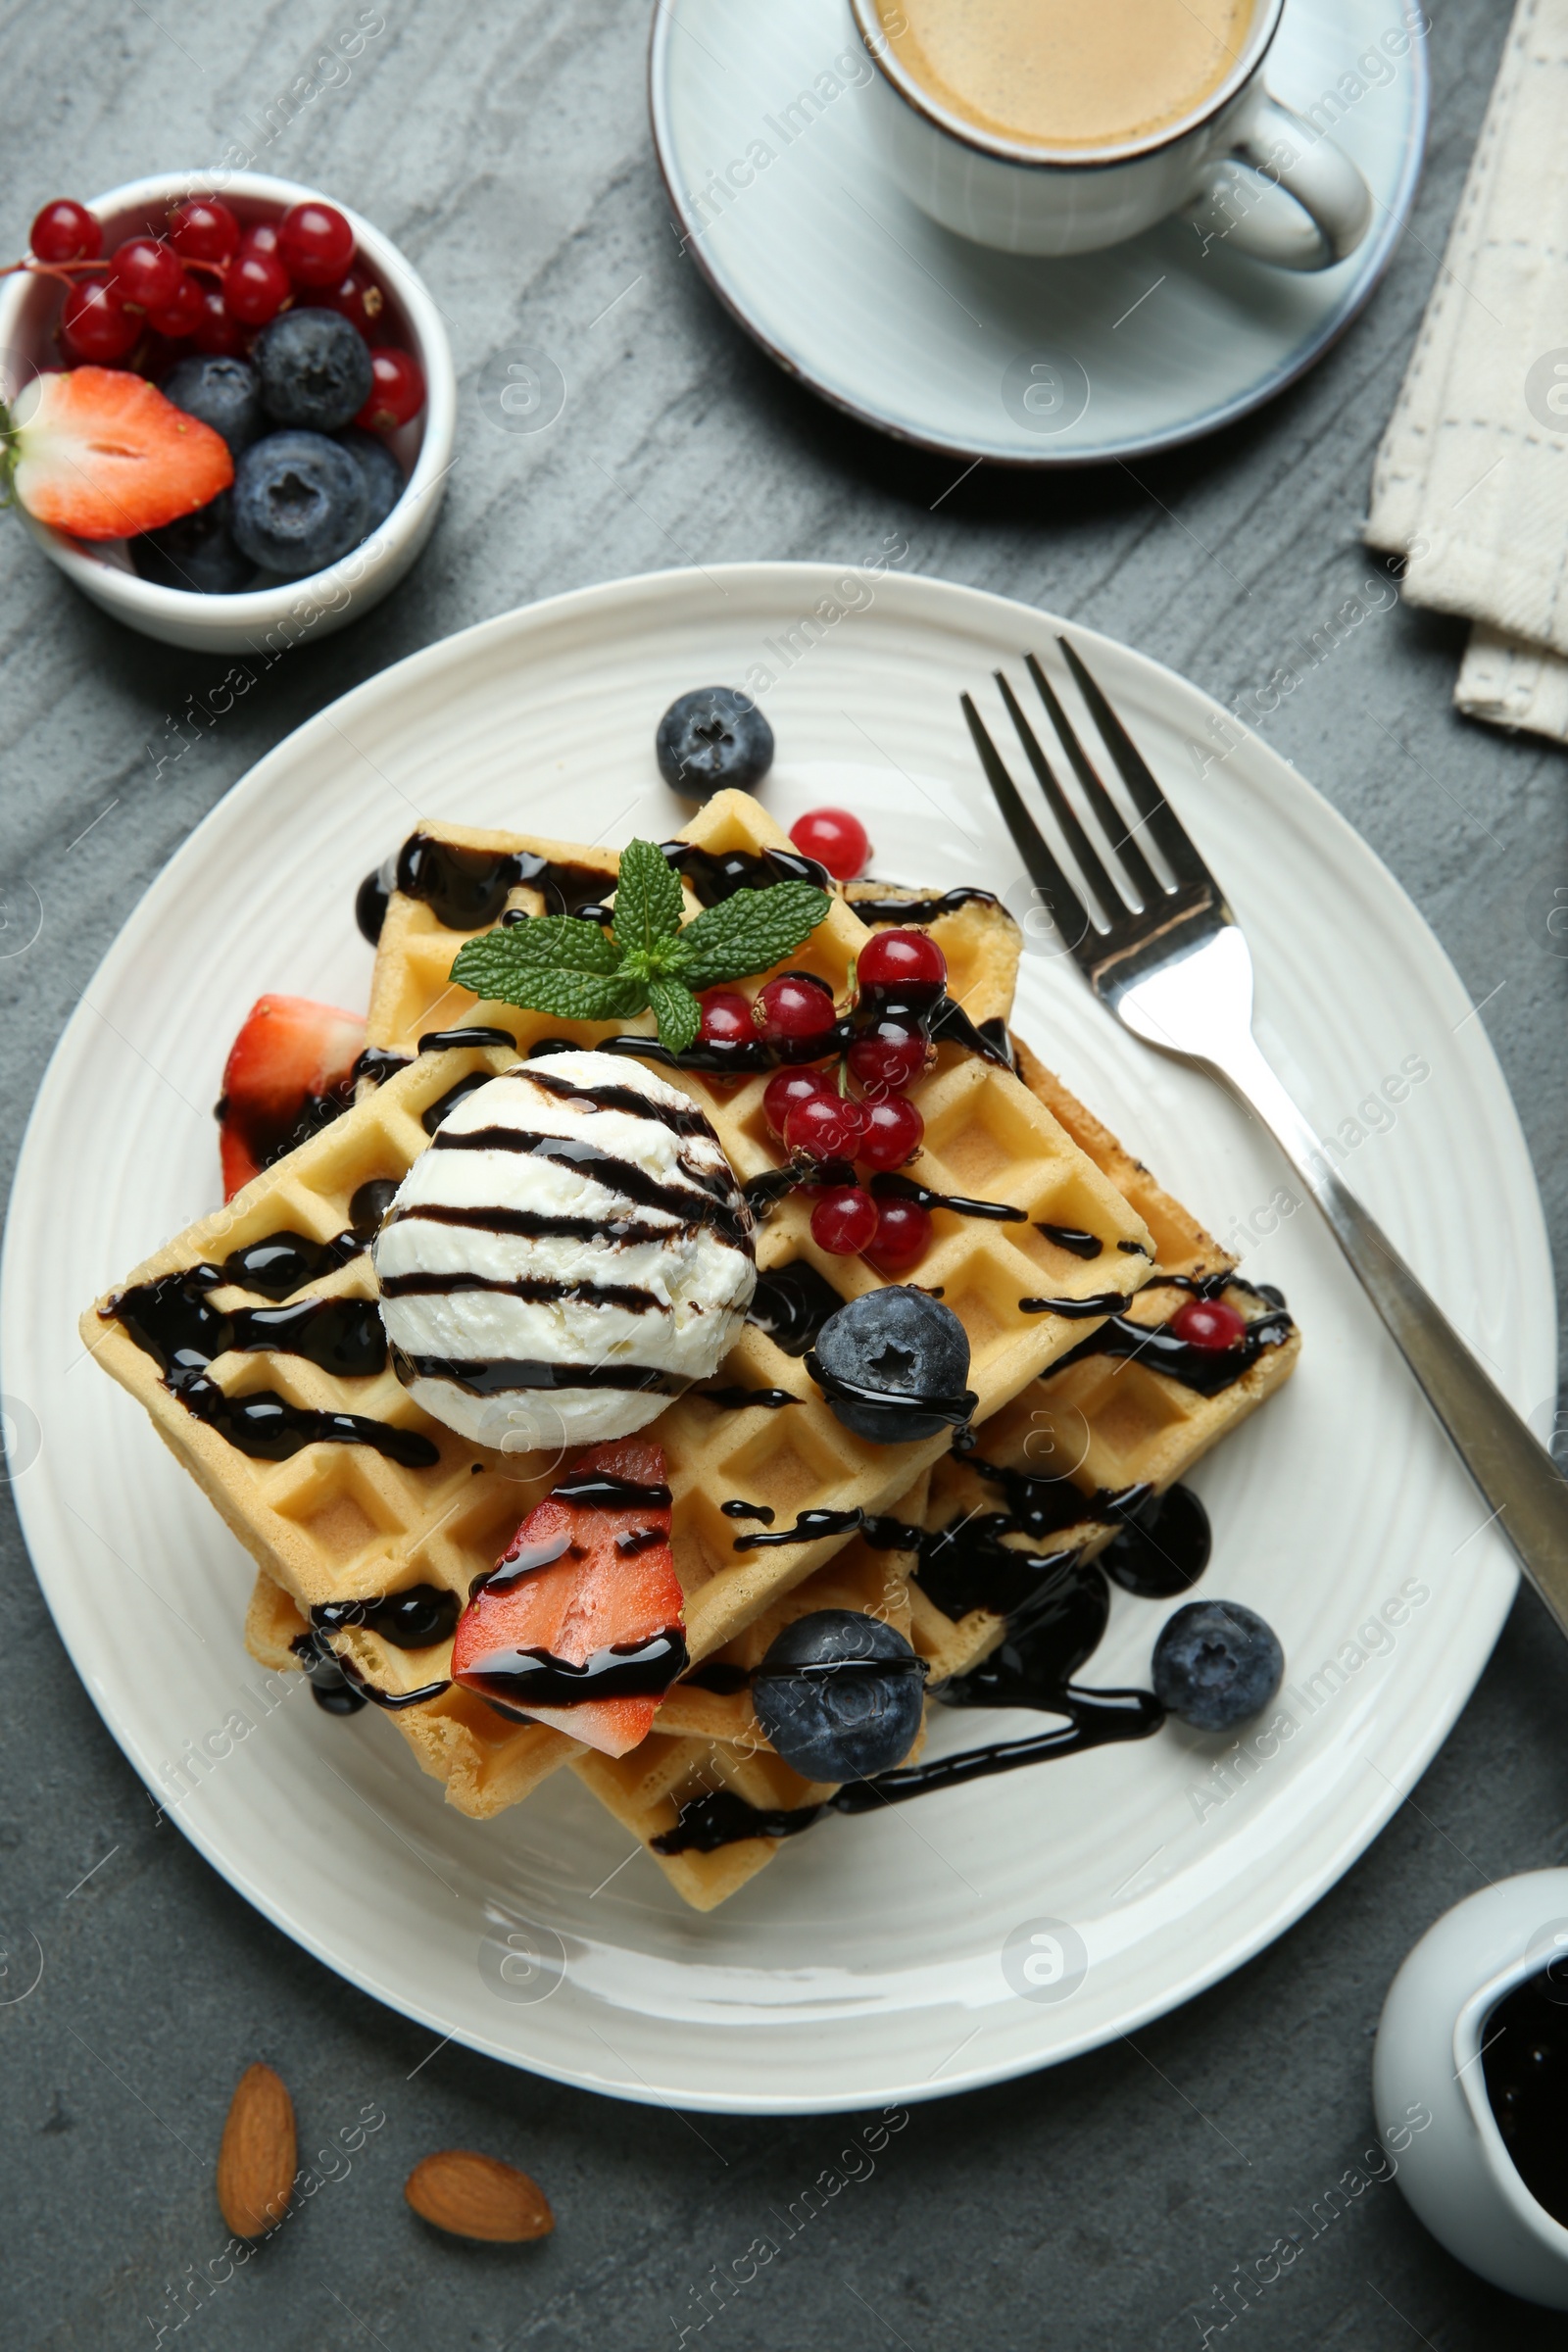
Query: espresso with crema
point(1068, 72)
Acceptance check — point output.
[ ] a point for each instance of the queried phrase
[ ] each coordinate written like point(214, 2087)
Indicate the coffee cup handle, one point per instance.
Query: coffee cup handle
point(1273, 144)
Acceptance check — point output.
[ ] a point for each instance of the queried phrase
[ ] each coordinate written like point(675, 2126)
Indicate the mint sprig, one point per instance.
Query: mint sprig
point(574, 970)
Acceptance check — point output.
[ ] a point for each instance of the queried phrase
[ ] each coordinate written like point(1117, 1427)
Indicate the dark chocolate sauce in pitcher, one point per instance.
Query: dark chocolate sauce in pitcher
point(1525, 2062)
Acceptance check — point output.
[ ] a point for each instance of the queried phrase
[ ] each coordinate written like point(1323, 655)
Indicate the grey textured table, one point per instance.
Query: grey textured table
point(506, 148)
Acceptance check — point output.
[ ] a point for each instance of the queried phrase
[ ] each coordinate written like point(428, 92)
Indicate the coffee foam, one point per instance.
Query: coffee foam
point(1068, 72)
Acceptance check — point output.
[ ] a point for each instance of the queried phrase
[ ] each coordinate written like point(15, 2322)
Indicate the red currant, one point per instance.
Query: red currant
point(903, 1236)
point(204, 230)
point(94, 322)
point(357, 298)
point(789, 1088)
point(835, 839)
point(66, 232)
point(316, 244)
point(256, 287)
point(397, 394)
point(727, 1019)
point(184, 314)
point(215, 334)
point(797, 1010)
point(902, 960)
point(894, 1130)
point(843, 1220)
point(260, 237)
point(1209, 1323)
point(145, 272)
point(826, 1127)
point(886, 1058)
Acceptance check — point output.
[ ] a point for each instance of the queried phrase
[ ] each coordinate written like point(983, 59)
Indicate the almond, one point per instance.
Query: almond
point(256, 2162)
point(478, 2196)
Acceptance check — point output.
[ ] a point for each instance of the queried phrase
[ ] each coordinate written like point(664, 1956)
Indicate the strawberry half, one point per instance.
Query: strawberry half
point(289, 1073)
point(101, 454)
point(585, 1594)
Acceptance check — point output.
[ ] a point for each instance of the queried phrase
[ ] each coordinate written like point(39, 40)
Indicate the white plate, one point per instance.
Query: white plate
point(848, 285)
point(864, 1964)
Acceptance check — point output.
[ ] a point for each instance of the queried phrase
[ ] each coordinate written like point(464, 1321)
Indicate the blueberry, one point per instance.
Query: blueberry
point(197, 553)
point(222, 393)
point(1215, 1664)
point(299, 502)
point(892, 1366)
point(840, 1695)
point(381, 472)
point(314, 369)
point(713, 740)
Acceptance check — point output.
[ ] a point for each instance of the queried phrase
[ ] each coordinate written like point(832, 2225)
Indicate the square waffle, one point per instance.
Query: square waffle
point(1141, 1427)
point(337, 1522)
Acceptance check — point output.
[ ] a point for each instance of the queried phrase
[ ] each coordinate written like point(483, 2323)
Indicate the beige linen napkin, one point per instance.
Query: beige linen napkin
point(1471, 482)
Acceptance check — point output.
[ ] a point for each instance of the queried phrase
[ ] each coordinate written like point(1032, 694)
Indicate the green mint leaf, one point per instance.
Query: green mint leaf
point(572, 996)
point(497, 963)
point(749, 932)
point(677, 1012)
point(648, 900)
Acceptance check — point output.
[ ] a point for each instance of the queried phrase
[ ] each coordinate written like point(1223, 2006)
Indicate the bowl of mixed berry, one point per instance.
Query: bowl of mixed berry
point(226, 407)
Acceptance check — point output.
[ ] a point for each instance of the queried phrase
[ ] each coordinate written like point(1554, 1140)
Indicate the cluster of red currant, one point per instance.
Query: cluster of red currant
point(900, 977)
point(208, 284)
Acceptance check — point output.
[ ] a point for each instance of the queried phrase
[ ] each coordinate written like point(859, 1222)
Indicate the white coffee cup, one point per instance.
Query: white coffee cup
point(1212, 166)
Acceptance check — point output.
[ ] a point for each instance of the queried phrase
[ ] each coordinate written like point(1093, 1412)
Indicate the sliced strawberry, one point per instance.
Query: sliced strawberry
point(101, 454)
point(583, 1579)
point(289, 1073)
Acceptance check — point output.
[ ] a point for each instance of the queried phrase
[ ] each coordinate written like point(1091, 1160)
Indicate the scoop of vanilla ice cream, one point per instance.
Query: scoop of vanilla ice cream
point(570, 1253)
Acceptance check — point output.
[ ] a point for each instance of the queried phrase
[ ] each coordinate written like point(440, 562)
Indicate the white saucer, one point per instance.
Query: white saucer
point(850, 288)
point(876, 1960)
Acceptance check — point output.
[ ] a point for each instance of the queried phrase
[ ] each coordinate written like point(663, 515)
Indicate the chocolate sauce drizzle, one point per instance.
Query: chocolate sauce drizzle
point(445, 1104)
point(175, 1322)
point(507, 1376)
point(1075, 1310)
point(714, 875)
point(1072, 1238)
point(905, 1188)
point(682, 1120)
point(282, 1263)
point(449, 1040)
point(870, 909)
point(1207, 1371)
point(415, 1618)
point(791, 1303)
point(709, 1197)
point(874, 1528)
point(318, 1657)
point(467, 889)
point(1057, 1604)
point(737, 1399)
point(526, 1679)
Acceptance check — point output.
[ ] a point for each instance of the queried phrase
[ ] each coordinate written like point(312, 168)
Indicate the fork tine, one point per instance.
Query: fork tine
point(1121, 836)
point(1179, 853)
point(1112, 904)
point(1073, 919)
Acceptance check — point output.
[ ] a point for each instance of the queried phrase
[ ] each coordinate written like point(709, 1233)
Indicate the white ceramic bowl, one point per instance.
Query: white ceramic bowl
point(1456, 2170)
point(266, 618)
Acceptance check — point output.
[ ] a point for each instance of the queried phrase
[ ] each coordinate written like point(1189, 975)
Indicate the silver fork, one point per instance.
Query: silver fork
point(1175, 970)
